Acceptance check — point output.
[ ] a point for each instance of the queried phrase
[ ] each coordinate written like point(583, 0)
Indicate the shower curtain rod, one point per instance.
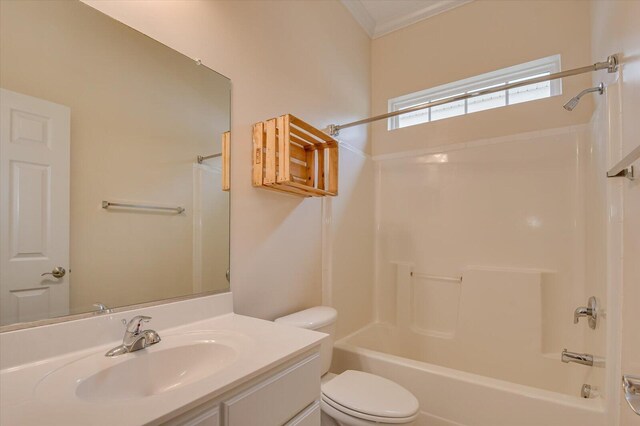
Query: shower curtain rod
point(611, 65)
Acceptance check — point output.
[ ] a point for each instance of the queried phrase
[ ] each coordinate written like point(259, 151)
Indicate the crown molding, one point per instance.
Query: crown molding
point(361, 15)
point(378, 29)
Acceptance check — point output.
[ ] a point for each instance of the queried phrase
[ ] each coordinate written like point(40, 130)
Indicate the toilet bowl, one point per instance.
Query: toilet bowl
point(353, 398)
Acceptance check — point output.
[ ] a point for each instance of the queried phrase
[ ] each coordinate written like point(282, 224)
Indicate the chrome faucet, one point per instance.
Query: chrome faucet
point(590, 311)
point(134, 338)
point(102, 308)
point(584, 359)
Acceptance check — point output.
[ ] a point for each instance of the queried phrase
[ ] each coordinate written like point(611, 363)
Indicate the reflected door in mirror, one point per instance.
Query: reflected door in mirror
point(34, 213)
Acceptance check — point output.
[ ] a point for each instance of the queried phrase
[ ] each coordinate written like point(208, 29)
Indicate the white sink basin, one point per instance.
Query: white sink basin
point(177, 361)
point(156, 372)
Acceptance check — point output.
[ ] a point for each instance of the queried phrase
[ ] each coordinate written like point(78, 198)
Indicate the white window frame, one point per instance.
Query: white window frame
point(548, 65)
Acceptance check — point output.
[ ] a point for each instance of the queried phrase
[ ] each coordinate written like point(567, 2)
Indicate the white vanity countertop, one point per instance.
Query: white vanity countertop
point(263, 345)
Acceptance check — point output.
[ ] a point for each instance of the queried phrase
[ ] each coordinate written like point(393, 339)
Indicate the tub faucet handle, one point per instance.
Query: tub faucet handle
point(580, 312)
point(590, 311)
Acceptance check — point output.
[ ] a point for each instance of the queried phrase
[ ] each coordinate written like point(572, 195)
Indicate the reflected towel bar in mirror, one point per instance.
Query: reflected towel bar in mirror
point(201, 158)
point(436, 277)
point(107, 204)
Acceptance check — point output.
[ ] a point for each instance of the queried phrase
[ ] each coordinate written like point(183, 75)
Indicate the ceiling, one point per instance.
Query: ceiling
point(380, 17)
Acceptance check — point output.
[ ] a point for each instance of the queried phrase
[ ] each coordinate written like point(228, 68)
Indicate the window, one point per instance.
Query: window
point(522, 72)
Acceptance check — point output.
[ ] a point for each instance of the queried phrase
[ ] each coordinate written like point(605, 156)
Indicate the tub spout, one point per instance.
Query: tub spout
point(584, 359)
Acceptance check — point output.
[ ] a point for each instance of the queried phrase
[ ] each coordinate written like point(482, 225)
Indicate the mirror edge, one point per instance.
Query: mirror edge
point(50, 321)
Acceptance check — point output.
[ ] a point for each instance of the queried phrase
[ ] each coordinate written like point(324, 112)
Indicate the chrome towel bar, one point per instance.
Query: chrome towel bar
point(107, 204)
point(624, 167)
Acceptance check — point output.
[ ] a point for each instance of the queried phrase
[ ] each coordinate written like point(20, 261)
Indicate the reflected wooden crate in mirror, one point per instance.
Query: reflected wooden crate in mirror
point(226, 161)
point(294, 157)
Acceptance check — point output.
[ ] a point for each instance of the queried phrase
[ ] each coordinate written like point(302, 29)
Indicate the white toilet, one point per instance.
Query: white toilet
point(353, 398)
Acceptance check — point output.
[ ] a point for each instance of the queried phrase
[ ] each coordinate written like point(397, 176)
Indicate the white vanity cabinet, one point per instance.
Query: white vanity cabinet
point(218, 369)
point(288, 394)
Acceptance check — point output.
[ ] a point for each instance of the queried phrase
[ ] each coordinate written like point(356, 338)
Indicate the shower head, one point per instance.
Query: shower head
point(573, 102)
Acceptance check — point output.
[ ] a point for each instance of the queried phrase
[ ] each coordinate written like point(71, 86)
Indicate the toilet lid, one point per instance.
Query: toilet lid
point(371, 395)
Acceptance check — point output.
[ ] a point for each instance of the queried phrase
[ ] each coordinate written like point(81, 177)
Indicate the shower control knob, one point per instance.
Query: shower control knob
point(590, 311)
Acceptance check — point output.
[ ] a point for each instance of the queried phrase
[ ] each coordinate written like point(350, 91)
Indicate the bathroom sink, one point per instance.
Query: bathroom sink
point(152, 373)
point(176, 362)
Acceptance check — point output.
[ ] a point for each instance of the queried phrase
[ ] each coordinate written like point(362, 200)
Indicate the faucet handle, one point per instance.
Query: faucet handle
point(102, 308)
point(580, 312)
point(590, 311)
point(136, 322)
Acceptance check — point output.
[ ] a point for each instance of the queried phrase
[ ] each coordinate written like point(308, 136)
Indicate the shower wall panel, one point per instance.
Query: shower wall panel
point(508, 215)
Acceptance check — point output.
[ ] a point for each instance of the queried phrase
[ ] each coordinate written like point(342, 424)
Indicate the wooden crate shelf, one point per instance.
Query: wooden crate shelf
point(292, 156)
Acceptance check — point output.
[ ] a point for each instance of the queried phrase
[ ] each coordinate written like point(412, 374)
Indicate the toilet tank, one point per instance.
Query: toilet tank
point(319, 318)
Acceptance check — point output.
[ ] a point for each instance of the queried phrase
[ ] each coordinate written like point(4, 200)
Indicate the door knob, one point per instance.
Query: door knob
point(57, 272)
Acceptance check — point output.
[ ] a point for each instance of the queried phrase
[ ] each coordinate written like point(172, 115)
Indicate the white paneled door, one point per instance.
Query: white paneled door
point(34, 208)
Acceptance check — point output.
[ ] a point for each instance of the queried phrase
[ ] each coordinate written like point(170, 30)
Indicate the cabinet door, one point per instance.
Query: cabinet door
point(210, 417)
point(279, 398)
point(309, 417)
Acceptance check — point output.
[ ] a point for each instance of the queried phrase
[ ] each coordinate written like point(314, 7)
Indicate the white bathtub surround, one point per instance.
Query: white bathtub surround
point(484, 250)
point(41, 367)
point(450, 397)
point(460, 325)
point(509, 215)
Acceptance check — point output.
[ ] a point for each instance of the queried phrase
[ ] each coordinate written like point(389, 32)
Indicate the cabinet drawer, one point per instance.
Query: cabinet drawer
point(309, 417)
point(277, 399)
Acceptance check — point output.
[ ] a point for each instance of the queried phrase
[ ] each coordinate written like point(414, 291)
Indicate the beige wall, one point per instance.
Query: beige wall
point(140, 114)
point(350, 239)
point(476, 38)
point(615, 28)
point(281, 57)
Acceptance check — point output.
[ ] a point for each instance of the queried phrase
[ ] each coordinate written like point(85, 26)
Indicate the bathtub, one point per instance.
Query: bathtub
point(452, 397)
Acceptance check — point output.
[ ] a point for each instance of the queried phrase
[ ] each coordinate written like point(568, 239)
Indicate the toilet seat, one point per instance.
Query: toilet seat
point(353, 418)
point(370, 397)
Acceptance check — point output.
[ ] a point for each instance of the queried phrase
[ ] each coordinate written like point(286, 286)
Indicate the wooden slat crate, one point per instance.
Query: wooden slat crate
point(292, 156)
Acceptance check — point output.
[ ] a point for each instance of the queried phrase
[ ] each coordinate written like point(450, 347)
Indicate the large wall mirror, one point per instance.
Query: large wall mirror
point(103, 200)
